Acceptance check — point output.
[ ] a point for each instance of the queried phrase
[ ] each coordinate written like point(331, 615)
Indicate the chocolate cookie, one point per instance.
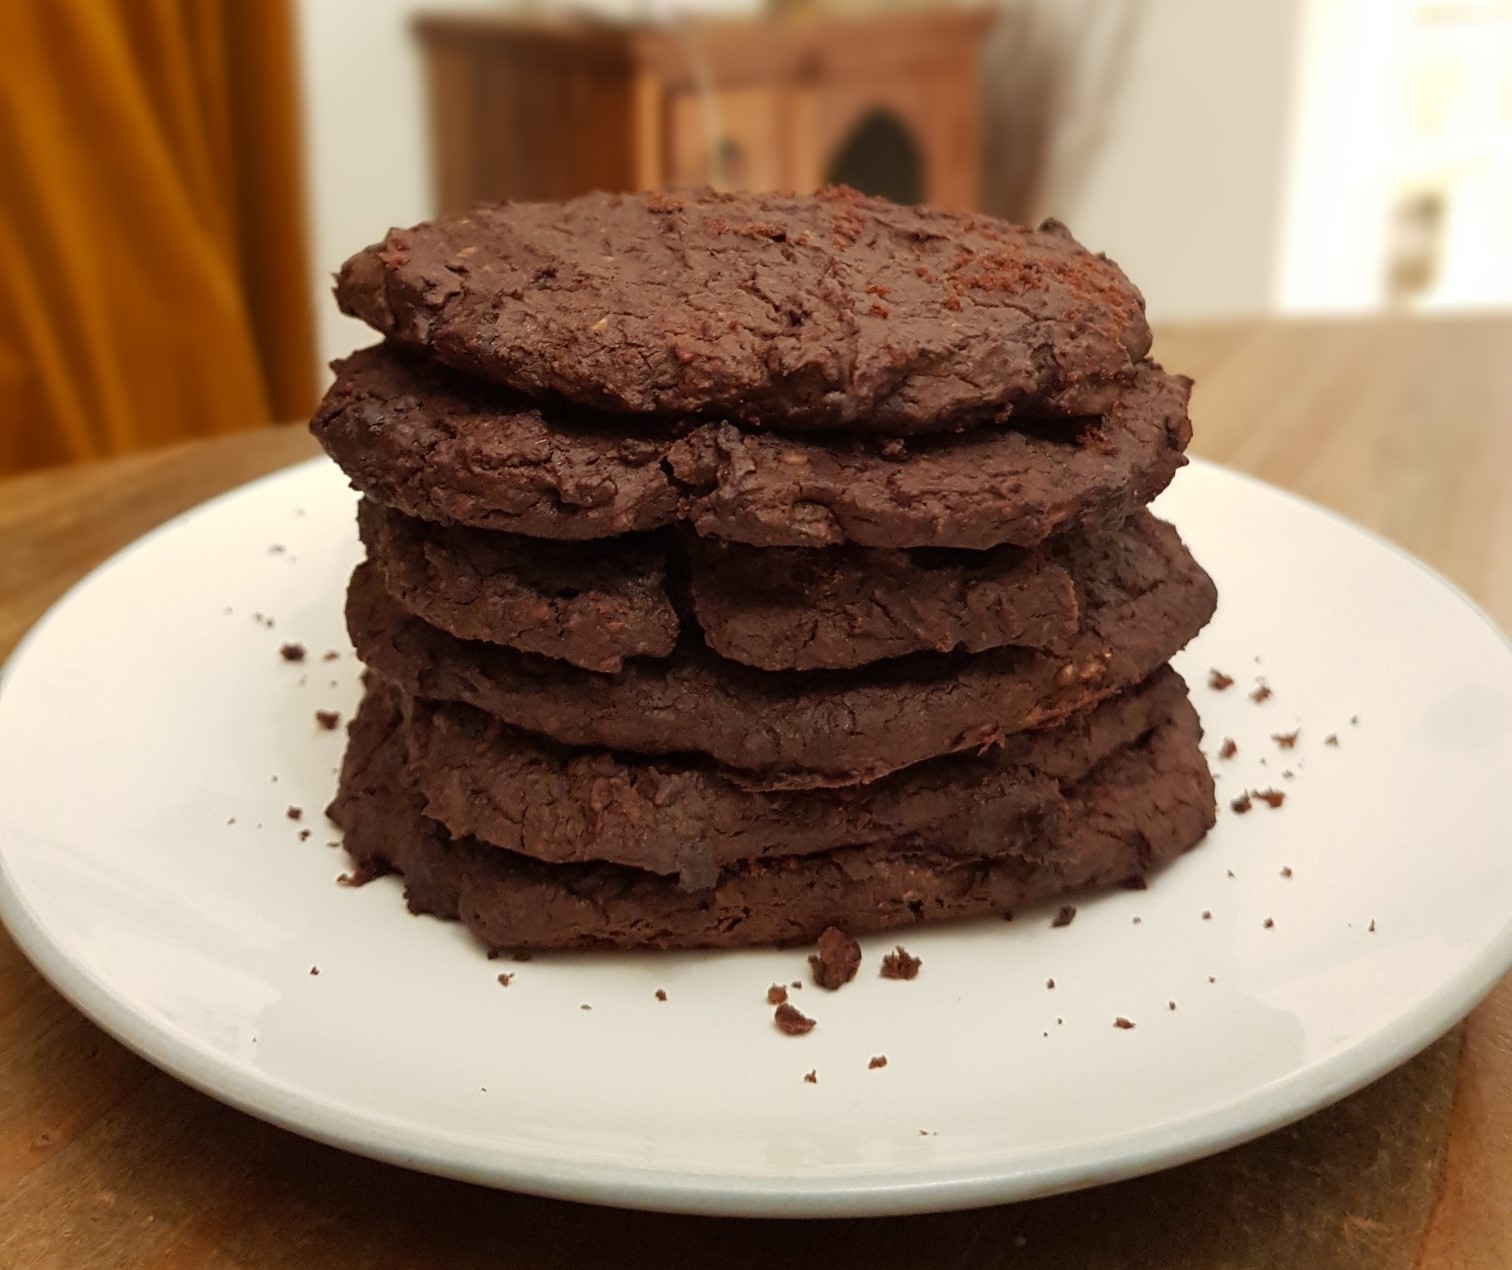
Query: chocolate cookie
point(481, 778)
point(1139, 809)
point(794, 729)
point(589, 604)
point(423, 439)
point(826, 311)
point(976, 490)
point(795, 608)
point(430, 443)
point(595, 603)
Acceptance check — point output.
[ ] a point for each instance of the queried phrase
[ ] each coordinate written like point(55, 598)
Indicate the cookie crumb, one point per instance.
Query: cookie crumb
point(304, 835)
point(1269, 922)
point(900, 964)
point(1286, 774)
point(1261, 693)
point(812, 1077)
point(792, 1021)
point(276, 548)
point(1138, 921)
point(1050, 983)
point(329, 655)
point(1270, 797)
point(1207, 914)
point(776, 994)
point(505, 979)
point(1354, 720)
point(661, 994)
point(1064, 916)
point(1218, 681)
point(878, 1060)
point(1332, 739)
point(797, 983)
point(585, 1006)
point(838, 959)
point(328, 719)
point(1370, 930)
point(1228, 749)
point(1241, 804)
point(292, 652)
point(1286, 871)
point(1286, 740)
point(1230, 872)
point(1170, 1005)
point(1123, 1023)
point(294, 813)
point(314, 970)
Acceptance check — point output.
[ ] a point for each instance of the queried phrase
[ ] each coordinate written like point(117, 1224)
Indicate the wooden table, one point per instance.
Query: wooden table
point(104, 1161)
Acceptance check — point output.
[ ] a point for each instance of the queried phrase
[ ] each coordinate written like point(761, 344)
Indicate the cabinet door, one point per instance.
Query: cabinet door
point(733, 138)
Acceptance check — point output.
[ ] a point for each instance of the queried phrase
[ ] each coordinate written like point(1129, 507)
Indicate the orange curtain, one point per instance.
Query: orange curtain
point(153, 279)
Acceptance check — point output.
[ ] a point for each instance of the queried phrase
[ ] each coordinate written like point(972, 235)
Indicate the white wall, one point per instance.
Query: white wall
point(366, 154)
point(1186, 189)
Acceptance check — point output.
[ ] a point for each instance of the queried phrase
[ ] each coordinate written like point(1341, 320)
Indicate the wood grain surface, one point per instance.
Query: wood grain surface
point(1403, 426)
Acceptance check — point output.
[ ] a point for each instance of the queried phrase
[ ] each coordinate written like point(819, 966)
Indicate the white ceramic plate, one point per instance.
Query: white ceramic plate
point(152, 738)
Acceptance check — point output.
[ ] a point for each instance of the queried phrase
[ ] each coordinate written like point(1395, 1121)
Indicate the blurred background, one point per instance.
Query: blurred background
point(182, 177)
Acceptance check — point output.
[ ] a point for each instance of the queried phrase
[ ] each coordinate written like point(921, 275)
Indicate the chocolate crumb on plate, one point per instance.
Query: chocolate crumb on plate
point(505, 978)
point(1228, 749)
point(330, 654)
point(314, 970)
point(1332, 739)
point(1287, 774)
point(292, 652)
point(1286, 740)
point(792, 1021)
point(1170, 1005)
point(812, 1077)
point(1270, 797)
point(1138, 921)
point(304, 835)
point(1212, 979)
point(1123, 1023)
point(1354, 720)
point(838, 959)
point(295, 813)
point(1286, 871)
point(661, 994)
point(1207, 914)
point(1049, 983)
point(1269, 922)
point(585, 1006)
point(1370, 930)
point(1262, 693)
point(328, 719)
point(1241, 804)
point(1064, 916)
point(878, 1060)
point(1218, 681)
point(900, 964)
point(776, 994)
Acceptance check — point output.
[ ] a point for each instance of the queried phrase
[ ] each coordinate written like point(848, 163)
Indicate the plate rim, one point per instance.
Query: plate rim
point(1269, 1107)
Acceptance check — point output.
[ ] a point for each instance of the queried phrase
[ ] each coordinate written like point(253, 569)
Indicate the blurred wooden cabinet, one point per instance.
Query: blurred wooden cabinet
point(543, 110)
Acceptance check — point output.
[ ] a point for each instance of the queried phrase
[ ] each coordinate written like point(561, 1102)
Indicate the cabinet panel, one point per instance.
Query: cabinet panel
point(734, 138)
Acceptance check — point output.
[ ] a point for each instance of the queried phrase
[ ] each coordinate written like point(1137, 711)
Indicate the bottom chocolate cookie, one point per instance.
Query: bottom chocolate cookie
point(1141, 807)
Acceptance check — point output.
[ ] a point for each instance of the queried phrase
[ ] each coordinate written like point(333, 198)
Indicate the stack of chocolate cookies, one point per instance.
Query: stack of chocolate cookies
point(744, 565)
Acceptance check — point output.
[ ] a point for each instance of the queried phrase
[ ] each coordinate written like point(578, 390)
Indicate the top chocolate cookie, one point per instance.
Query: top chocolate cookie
point(833, 310)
